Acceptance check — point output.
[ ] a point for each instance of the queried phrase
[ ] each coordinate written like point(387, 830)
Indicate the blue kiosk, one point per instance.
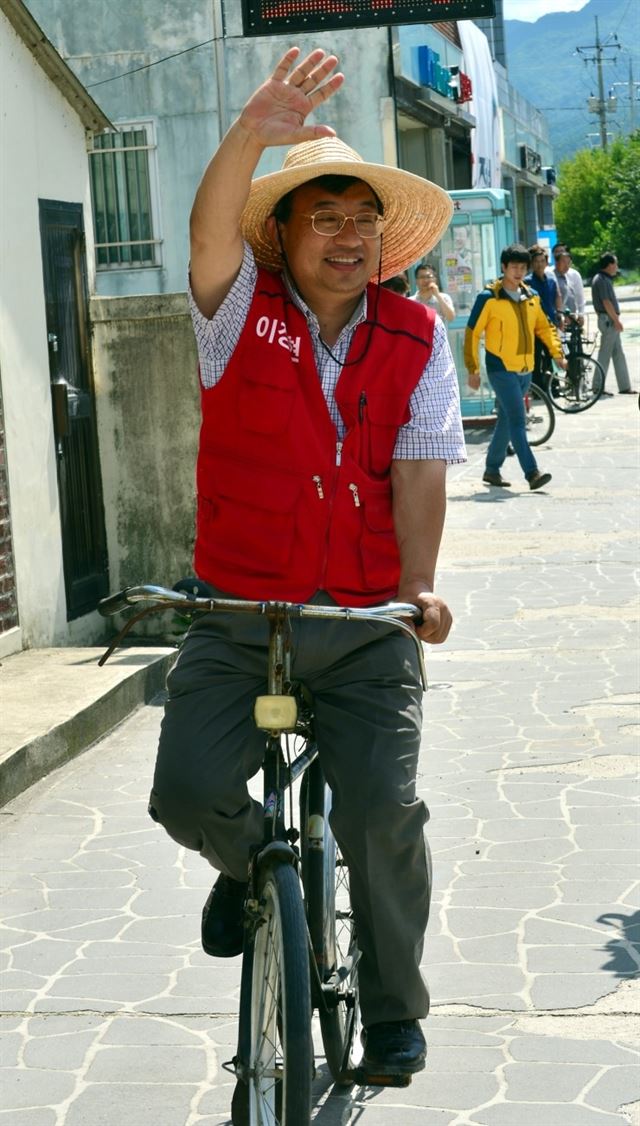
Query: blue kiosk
point(467, 257)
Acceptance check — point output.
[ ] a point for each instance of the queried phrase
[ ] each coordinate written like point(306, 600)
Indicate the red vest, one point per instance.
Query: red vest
point(284, 508)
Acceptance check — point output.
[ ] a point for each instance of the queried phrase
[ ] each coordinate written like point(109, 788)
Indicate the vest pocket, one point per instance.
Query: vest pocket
point(382, 418)
point(247, 517)
point(266, 404)
point(378, 546)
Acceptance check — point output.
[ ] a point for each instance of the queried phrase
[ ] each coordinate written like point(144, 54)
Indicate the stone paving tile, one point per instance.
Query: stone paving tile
point(114, 1013)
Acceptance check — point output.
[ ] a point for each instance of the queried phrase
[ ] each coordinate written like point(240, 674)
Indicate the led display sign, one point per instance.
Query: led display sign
point(284, 17)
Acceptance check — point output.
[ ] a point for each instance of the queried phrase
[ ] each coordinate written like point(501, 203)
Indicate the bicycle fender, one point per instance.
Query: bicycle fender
point(276, 852)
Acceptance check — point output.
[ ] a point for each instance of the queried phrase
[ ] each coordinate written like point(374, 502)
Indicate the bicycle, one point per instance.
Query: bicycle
point(300, 947)
point(540, 416)
point(582, 384)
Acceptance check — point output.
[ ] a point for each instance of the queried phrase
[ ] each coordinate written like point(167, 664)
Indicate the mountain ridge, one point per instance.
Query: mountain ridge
point(562, 82)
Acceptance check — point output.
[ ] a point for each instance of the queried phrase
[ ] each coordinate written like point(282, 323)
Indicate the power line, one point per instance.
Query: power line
point(598, 105)
point(147, 66)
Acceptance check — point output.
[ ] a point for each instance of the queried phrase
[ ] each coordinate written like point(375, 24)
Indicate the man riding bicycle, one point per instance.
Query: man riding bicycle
point(329, 413)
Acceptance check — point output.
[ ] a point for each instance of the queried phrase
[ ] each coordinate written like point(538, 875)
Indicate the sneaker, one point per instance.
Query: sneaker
point(538, 480)
point(495, 479)
point(223, 918)
point(394, 1047)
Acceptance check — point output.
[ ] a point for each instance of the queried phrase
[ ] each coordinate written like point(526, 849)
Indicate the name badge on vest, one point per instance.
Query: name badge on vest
point(275, 332)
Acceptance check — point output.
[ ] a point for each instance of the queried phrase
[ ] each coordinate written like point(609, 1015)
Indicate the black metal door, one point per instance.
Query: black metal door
point(79, 481)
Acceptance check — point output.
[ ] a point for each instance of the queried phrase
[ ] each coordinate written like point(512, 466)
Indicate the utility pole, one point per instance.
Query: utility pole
point(632, 87)
point(599, 105)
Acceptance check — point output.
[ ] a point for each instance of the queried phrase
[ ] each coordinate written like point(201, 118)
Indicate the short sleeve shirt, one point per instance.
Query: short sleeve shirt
point(434, 430)
point(602, 289)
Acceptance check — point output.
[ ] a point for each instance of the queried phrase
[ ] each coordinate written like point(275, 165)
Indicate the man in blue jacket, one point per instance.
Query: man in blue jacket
point(546, 286)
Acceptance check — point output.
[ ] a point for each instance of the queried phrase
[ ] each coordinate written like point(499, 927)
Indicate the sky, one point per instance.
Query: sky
point(532, 10)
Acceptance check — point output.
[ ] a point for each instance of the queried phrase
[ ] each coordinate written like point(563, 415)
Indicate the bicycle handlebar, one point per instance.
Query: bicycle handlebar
point(392, 613)
point(165, 598)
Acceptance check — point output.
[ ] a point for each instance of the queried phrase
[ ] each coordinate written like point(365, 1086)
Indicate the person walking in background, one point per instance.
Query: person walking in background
point(606, 306)
point(568, 281)
point(428, 293)
point(509, 316)
point(546, 286)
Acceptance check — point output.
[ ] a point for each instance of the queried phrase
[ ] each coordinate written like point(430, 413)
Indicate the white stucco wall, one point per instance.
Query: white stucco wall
point(42, 141)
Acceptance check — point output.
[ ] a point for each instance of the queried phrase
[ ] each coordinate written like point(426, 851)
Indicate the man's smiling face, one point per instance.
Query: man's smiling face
point(338, 265)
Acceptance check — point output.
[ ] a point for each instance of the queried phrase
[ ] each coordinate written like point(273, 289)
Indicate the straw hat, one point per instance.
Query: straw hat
point(416, 212)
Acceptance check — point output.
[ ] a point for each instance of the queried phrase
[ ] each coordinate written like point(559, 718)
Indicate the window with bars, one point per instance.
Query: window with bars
point(124, 192)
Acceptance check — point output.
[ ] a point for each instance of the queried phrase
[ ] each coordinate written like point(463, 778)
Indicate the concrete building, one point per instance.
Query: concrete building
point(171, 82)
point(52, 543)
point(527, 155)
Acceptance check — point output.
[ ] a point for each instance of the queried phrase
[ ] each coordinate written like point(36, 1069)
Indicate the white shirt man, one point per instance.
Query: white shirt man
point(568, 281)
point(428, 293)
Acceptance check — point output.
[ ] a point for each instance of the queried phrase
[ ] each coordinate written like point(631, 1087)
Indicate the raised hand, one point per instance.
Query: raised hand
point(276, 113)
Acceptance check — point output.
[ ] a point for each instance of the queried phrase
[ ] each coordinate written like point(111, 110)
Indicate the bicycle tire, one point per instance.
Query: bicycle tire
point(572, 396)
point(276, 1001)
point(541, 419)
point(331, 928)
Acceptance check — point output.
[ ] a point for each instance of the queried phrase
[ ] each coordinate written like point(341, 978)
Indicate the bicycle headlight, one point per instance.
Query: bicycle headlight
point(275, 713)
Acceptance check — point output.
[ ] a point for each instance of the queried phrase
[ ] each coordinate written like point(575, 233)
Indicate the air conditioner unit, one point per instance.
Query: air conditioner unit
point(530, 160)
point(549, 175)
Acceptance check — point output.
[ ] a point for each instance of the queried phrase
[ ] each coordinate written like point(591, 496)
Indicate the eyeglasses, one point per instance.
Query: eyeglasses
point(330, 223)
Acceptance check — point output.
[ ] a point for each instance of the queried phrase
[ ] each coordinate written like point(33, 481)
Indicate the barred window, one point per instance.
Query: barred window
point(124, 192)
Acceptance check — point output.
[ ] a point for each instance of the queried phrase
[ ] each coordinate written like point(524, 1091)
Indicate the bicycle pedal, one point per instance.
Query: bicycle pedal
point(367, 1079)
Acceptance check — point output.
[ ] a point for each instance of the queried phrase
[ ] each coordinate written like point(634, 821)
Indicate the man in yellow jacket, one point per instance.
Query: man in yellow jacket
point(510, 316)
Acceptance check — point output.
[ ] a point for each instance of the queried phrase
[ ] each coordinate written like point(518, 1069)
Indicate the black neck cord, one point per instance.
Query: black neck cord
point(371, 323)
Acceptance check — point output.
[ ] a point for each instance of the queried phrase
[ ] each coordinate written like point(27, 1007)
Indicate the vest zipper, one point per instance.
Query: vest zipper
point(354, 492)
point(317, 480)
point(331, 499)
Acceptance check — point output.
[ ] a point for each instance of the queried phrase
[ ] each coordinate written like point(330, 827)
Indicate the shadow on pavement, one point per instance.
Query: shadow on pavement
point(622, 962)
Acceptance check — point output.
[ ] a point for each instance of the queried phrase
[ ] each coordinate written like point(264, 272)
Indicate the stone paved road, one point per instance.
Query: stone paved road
point(112, 1013)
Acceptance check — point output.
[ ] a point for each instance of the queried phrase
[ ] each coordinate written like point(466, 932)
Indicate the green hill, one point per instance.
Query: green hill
point(544, 66)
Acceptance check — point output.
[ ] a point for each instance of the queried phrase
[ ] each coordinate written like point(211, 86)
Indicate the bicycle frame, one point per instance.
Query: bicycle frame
point(277, 852)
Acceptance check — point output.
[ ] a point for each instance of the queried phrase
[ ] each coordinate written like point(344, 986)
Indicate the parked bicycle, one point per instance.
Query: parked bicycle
point(300, 947)
point(582, 384)
point(540, 416)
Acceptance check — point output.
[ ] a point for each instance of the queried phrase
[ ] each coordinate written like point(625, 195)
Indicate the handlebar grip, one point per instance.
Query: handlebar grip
point(114, 603)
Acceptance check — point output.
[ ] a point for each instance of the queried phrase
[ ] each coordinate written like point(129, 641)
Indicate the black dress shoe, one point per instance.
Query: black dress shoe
point(394, 1047)
point(223, 918)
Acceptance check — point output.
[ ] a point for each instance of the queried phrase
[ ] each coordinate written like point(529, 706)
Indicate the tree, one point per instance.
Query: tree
point(597, 208)
point(624, 225)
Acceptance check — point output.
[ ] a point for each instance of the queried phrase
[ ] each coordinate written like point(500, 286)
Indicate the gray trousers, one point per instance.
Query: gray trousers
point(365, 682)
point(611, 349)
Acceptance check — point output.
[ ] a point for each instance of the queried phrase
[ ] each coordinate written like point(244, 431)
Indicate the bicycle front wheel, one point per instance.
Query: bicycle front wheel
point(280, 1064)
point(579, 387)
point(331, 928)
point(541, 420)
